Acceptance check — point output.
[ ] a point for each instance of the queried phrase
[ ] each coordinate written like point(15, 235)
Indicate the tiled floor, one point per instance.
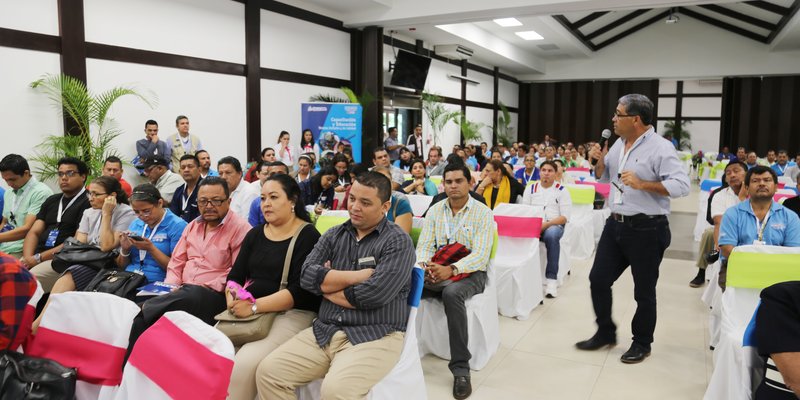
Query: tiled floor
point(538, 360)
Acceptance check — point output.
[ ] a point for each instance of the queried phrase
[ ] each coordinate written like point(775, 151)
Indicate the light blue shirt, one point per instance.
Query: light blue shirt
point(166, 237)
point(739, 226)
point(652, 159)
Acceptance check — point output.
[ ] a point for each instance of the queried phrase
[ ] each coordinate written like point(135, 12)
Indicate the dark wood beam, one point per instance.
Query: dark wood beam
point(771, 7)
point(633, 29)
point(368, 46)
point(299, 77)
point(783, 21)
point(722, 25)
point(741, 17)
point(578, 35)
point(299, 13)
point(685, 118)
point(496, 101)
point(146, 57)
point(29, 40)
point(628, 17)
point(252, 45)
point(463, 98)
point(73, 48)
point(679, 104)
point(589, 18)
point(685, 95)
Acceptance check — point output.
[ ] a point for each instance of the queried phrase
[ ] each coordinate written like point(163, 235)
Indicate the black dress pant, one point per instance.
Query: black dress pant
point(640, 244)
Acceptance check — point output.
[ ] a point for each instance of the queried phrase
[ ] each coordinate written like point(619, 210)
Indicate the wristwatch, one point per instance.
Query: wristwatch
point(254, 308)
point(455, 270)
point(38, 257)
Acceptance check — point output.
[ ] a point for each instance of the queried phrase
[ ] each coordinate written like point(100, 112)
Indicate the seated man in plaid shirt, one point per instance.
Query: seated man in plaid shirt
point(454, 249)
point(17, 286)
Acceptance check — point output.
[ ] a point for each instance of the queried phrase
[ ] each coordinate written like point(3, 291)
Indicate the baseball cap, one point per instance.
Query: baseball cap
point(153, 161)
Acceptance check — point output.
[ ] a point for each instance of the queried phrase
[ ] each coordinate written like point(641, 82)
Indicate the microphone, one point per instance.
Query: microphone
point(603, 139)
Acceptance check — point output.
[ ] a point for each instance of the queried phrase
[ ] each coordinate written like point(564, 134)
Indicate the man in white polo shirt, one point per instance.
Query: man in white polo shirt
point(557, 204)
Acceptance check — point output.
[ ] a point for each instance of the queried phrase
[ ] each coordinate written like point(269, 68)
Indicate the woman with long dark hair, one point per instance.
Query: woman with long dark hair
point(419, 183)
point(318, 191)
point(261, 260)
point(307, 144)
point(406, 157)
point(497, 185)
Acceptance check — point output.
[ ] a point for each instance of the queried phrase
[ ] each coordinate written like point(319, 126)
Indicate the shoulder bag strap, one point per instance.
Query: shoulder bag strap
point(288, 259)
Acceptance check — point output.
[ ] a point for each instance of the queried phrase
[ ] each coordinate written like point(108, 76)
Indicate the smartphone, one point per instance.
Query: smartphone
point(136, 238)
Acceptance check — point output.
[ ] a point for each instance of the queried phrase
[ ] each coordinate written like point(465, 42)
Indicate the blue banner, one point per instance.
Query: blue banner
point(334, 123)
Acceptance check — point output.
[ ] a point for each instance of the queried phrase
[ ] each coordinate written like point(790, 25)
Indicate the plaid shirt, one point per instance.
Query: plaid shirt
point(17, 285)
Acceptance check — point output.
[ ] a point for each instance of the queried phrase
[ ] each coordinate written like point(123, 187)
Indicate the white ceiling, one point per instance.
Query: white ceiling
point(469, 23)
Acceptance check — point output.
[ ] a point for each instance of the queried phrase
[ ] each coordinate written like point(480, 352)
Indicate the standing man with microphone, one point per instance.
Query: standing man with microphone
point(644, 172)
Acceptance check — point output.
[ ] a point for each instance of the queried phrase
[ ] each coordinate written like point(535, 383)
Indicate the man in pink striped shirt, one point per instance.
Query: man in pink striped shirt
point(201, 261)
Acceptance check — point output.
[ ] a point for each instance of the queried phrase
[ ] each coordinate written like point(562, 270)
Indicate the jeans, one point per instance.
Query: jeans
point(552, 241)
point(454, 296)
point(641, 245)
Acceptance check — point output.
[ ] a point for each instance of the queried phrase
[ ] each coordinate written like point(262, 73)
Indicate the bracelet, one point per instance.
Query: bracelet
point(125, 255)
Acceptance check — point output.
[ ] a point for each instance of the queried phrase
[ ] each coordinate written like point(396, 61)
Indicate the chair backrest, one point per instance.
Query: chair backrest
point(328, 220)
point(709, 184)
point(784, 180)
point(581, 194)
point(603, 188)
point(416, 229)
point(88, 331)
point(781, 197)
point(436, 179)
point(517, 221)
point(202, 371)
point(419, 203)
point(757, 267)
point(417, 282)
point(789, 191)
point(578, 173)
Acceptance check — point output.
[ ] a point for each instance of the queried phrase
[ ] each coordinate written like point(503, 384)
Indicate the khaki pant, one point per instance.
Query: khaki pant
point(350, 371)
point(706, 245)
point(285, 326)
point(46, 275)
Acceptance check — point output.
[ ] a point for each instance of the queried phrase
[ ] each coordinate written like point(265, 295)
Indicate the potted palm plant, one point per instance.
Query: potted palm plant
point(90, 113)
point(679, 132)
point(503, 130)
point(438, 115)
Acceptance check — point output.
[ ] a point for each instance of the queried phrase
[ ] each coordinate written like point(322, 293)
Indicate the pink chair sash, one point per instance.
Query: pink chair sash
point(519, 227)
point(97, 362)
point(603, 188)
point(578, 169)
point(778, 196)
point(198, 373)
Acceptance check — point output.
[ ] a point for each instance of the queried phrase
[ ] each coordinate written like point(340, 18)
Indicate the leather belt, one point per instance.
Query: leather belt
point(637, 218)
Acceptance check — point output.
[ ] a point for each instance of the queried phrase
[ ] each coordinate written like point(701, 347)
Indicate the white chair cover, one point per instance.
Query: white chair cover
point(700, 224)
point(736, 366)
point(599, 218)
point(419, 203)
point(786, 180)
point(406, 379)
point(337, 213)
point(201, 369)
point(712, 297)
point(579, 231)
point(483, 325)
point(516, 267)
point(88, 331)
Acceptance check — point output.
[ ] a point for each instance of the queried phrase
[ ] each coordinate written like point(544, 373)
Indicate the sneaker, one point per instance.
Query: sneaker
point(697, 282)
point(551, 291)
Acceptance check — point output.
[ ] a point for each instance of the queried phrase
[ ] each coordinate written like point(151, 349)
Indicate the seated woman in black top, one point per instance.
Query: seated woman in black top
point(318, 191)
point(261, 259)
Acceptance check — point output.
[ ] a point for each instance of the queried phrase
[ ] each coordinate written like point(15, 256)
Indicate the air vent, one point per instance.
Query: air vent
point(547, 47)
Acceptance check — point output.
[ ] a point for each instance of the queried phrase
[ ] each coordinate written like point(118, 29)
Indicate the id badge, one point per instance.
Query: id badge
point(617, 194)
point(51, 238)
point(757, 242)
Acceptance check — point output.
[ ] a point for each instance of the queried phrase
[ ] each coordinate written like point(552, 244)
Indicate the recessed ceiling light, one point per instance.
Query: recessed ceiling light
point(529, 35)
point(506, 22)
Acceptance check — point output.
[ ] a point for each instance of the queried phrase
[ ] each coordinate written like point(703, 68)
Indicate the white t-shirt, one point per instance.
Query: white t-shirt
point(723, 200)
point(555, 200)
point(121, 219)
point(242, 197)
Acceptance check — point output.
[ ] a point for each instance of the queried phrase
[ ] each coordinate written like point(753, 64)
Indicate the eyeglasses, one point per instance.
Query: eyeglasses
point(95, 194)
point(618, 115)
point(144, 213)
point(68, 174)
point(213, 202)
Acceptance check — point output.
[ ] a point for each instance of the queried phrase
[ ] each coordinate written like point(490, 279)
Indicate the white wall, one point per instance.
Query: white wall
point(40, 16)
point(689, 49)
point(214, 103)
point(705, 134)
point(484, 90)
point(484, 116)
point(200, 28)
point(295, 45)
point(280, 108)
point(27, 114)
point(508, 93)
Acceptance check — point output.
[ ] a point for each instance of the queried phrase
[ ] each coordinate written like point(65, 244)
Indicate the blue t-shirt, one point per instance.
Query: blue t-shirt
point(520, 174)
point(739, 226)
point(166, 237)
point(256, 217)
point(400, 206)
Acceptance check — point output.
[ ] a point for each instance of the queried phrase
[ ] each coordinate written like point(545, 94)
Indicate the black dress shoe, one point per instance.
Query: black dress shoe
point(596, 342)
point(462, 388)
point(636, 354)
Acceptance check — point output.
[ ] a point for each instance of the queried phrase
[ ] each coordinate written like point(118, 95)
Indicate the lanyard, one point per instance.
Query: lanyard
point(62, 210)
point(143, 253)
point(526, 177)
point(623, 155)
point(457, 225)
point(289, 153)
point(186, 196)
point(760, 227)
point(342, 181)
point(18, 196)
point(781, 169)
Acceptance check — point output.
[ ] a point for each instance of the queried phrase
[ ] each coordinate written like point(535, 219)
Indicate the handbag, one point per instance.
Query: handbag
point(255, 327)
point(117, 282)
point(26, 377)
point(447, 255)
point(75, 252)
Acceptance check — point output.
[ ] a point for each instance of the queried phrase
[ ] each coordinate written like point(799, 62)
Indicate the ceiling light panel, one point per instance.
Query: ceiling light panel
point(506, 22)
point(529, 35)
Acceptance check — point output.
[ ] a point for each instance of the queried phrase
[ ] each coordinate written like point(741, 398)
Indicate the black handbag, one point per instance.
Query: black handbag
point(117, 282)
point(75, 252)
point(26, 377)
